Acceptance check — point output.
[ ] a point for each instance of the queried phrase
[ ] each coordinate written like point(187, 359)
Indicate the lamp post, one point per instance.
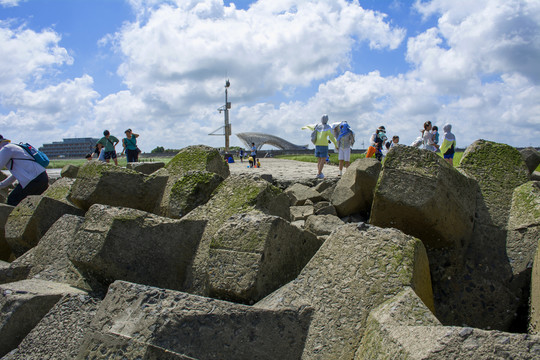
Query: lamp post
point(227, 127)
point(227, 124)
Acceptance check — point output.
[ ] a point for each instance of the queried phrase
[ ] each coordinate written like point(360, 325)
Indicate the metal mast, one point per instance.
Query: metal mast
point(227, 127)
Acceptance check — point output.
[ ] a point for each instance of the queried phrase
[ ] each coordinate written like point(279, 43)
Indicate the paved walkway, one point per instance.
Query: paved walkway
point(282, 169)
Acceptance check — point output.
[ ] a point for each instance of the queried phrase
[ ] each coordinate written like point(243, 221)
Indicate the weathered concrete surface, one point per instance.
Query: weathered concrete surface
point(60, 190)
point(48, 260)
point(5, 249)
point(31, 219)
point(354, 271)
point(12, 274)
point(198, 158)
point(236, 195)
point(115, 243)
point(253, 254)
point(404, 328)
point(324, 208)
point(531, 156)
point(23, 304)
point(190, 177)
point(354, 191)
point(322, 225)
point(193, 326)
point(112, 346)
point(498, 169)
point(102, 183)
point(69, 171)
point(523, 230)
point(145, 167)
point(190, 190)
point(534, 313)
point(420, 194)
point(60, 332)
point(299, 194)
point(301, 212)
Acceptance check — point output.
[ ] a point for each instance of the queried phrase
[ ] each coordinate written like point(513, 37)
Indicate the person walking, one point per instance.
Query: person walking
point(345, 140)
point(254, 153)
point(323, 133)
point(32, 177)
point(448, 146)
point(109, 143)
point(130, 146)
point(377, 140)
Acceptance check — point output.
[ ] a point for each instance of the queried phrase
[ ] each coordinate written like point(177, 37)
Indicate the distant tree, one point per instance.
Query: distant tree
point(158, 149)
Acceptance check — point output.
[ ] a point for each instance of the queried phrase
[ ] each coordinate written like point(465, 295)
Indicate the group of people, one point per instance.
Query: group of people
point(341, 135)
point(430, 141)
point(32, 177)
point(252, 158)
point(105, 149)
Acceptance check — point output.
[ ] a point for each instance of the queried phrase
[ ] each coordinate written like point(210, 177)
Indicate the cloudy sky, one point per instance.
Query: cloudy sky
point(74, 68)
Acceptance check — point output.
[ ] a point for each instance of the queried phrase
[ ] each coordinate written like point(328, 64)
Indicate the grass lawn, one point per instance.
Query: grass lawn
point(122, 161)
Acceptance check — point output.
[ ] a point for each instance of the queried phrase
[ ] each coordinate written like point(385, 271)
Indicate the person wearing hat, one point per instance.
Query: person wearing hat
point(32, 177)
point(324, 131)
point(377, 140)
point(345, 140)
point(130, 146)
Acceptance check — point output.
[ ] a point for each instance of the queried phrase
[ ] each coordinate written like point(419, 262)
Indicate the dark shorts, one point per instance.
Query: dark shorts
point(34, 187)
point(448, 156)
point(110, 155)
point(321, 151)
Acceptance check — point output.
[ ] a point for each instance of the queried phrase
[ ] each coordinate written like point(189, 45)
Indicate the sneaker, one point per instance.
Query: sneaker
point(321, 176)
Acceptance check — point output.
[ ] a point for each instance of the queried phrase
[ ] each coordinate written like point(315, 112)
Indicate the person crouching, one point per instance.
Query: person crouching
point(32, 177)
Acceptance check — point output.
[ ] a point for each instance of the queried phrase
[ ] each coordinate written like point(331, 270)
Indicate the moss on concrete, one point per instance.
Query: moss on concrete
point(526, 202)
point(498, 169)
point(192, 158)
point(186, 184)
point(96, 169)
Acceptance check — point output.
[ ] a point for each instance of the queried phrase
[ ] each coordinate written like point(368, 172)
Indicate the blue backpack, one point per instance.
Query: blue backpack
point(38, 156)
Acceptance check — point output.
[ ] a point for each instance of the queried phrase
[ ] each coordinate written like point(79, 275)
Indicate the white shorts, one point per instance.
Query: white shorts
point(344, 154)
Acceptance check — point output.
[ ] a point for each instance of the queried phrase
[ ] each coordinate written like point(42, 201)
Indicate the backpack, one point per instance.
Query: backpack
point(38, 156)
point(314, 135)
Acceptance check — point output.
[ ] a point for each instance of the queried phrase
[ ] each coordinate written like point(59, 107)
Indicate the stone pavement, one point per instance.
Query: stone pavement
point(284, 170)
point(280, 169)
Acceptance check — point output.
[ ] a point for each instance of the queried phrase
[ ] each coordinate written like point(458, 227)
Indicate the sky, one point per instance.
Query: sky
point(73, 68)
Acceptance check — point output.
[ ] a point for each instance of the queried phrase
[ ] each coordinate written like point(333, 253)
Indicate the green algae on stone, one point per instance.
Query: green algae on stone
point(192, 158)
point(526, 201)
point(498, 169)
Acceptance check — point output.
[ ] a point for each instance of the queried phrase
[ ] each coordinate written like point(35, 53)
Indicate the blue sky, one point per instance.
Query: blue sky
point(72, 68)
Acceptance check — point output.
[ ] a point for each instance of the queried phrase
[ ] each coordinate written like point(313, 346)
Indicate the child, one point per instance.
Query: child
point(258, 163)
point(250, 159)
point(435, 132)
point(380, 144)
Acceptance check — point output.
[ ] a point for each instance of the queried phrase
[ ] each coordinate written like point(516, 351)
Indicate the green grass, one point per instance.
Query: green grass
point(122, 161)
point(334, 158)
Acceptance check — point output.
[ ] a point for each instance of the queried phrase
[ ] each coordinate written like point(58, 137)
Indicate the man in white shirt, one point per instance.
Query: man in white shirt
point(32, 177)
